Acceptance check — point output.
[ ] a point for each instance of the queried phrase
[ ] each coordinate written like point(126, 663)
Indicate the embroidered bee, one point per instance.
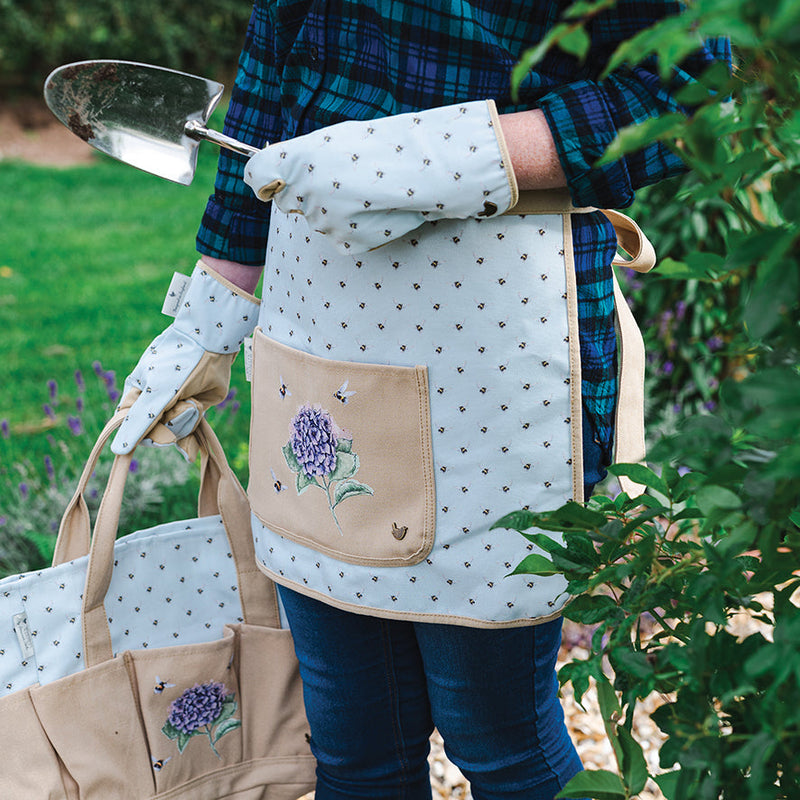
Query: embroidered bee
point(159, 763)
point(279, 487)
point(161, 685)
point(342, 395)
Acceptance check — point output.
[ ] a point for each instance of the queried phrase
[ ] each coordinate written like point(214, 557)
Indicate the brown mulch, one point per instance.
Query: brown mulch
point(29, 132)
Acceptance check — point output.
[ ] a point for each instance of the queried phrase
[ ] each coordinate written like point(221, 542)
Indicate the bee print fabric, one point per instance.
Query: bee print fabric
point(487, 309)
point(365, 183)
point(172, 584)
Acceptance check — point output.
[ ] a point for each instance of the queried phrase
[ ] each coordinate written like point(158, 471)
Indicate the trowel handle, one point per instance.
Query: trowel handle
point(197, 131)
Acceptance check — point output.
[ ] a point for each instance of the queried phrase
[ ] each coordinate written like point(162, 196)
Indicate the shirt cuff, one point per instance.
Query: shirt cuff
point(583, 125)
point(234, 235)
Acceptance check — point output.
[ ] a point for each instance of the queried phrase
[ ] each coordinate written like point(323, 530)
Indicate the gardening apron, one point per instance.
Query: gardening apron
point(405, 400)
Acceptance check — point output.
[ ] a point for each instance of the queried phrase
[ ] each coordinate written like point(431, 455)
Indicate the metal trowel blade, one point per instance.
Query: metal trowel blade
point(136, 113)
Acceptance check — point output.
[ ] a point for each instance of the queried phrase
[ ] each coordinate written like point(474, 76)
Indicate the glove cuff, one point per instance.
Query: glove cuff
point(215, 313)
point(504, 154)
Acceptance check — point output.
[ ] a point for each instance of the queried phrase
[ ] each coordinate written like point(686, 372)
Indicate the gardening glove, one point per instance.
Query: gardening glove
point(187, 368)
point(365, 183)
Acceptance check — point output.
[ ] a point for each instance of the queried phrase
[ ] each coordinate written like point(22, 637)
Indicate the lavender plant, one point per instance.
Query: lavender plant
point(33, 495)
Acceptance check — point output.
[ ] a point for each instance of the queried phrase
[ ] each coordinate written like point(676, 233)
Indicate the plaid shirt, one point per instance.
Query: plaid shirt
point(308, 63)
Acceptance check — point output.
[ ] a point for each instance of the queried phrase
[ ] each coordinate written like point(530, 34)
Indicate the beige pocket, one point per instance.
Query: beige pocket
point(340, 455)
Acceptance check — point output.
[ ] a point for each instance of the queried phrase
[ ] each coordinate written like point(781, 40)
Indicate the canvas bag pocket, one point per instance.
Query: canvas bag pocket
point(340, 455)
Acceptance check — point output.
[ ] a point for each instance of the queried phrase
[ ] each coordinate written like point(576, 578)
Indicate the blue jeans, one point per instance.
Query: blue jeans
point(375, 688)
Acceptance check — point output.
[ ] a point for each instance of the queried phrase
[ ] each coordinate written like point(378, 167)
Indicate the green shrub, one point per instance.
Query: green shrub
point(718, 531)
point(192, 35)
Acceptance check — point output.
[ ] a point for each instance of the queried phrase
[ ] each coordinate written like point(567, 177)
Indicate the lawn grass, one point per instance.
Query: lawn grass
point(87, 255)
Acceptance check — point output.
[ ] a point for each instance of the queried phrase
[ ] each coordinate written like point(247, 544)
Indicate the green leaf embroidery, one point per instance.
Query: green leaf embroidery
point(349, 489)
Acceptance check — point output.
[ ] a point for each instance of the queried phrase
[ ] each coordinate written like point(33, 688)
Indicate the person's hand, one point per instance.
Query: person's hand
point(365, 183)
point(186, 368)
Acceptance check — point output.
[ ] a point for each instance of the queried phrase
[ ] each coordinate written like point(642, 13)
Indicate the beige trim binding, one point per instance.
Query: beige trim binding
point(576, 410)
point(505, 155)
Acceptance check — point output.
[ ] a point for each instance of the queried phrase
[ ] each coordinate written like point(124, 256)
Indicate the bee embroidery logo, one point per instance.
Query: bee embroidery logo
point(161, 685)
point(279, 487)
point(342, 394)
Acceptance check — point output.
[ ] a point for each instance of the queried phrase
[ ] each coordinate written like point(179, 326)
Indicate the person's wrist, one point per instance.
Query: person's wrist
point(245, 276)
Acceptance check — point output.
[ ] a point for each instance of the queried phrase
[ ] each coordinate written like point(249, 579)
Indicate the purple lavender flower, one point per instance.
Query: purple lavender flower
point(3, 521)
point(113, 395)
point(75, 425)
point(667, 368)
point(52, 388)
point(201, 705)
point(98, 368)
point(23, 490)
point(680, 310)
point(79, 404)
point(48, 464)
point(313, 441)
point(133, 467)
point(4, 428)
point(79, 382)
point(714, 343)
point(48, 409)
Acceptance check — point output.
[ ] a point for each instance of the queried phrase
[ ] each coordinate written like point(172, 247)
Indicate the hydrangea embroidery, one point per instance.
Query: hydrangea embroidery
point(205, 709)
point(321, 455)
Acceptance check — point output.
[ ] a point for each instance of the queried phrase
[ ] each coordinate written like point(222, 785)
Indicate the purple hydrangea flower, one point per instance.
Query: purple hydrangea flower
point(198, 706)
point(313, 440)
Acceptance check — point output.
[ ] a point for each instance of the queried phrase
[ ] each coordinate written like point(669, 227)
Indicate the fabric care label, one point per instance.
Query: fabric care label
point(23, 634)
point(178, 287)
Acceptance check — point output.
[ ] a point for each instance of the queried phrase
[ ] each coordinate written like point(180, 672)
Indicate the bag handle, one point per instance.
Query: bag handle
point(220, 489)
point(74, 533)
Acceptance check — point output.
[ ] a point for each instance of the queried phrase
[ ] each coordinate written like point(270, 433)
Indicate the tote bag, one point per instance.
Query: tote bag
point(151, 703)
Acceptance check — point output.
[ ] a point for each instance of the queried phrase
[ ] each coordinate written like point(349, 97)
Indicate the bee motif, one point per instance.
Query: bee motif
point(342, 395)
point(161, 685)
point(159, 763)
point(283, 390)
point(279, 487)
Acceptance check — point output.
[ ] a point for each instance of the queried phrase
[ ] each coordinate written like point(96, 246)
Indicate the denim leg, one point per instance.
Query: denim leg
point(494, 699)
point(366, 702)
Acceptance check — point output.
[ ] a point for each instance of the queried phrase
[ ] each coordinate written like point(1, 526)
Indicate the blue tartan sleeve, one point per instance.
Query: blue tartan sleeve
point(585, 116)
point(235, 223)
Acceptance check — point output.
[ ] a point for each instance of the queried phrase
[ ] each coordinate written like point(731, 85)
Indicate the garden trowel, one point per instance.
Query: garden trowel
point(150, 117)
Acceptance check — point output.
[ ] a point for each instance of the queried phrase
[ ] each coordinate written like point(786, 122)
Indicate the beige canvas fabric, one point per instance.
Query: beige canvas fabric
point(124, 728)
point(393, 461)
